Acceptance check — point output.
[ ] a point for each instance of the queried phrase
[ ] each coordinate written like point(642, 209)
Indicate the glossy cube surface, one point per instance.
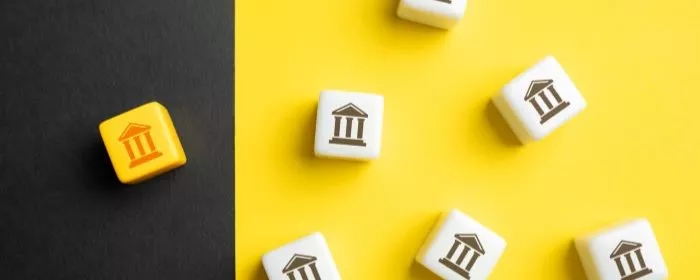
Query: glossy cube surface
point(142, 143)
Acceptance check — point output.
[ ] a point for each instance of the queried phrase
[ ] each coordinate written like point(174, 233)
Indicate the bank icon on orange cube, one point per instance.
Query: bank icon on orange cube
point(142, 143)
point(132, 135)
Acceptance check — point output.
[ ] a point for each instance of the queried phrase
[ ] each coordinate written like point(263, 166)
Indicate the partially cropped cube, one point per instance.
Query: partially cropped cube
point(461, 248)
point(436, 13)
point(142, 143)
point(305, 259)
point(349, 125)
point(625, 252)
point(539, 101)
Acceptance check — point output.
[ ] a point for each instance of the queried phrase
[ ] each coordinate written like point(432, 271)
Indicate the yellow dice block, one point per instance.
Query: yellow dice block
point(142, 143)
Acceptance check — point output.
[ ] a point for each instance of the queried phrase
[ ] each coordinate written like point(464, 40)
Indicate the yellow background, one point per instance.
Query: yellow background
point(632, 153)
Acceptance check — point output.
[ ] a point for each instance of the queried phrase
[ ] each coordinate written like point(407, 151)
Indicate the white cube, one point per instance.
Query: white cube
point(539, 101)
point(349, 125)
point(625, 252)
point(437, 13)
point(307, 258)
point(461, 248)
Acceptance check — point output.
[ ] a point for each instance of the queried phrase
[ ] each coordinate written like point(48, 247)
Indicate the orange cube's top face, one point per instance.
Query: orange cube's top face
point(142, 143)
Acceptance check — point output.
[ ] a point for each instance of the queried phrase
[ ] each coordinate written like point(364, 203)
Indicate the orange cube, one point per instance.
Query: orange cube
point(142, 143)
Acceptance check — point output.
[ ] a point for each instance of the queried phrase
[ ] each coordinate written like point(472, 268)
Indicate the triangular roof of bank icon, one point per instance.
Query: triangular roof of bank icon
point(297, 261)
point(536, 86)
point(624, 247)
point(133, 129)
point(350, 110)
point(472, 241)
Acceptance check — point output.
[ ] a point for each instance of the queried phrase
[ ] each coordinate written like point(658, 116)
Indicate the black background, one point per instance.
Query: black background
point(67, 65)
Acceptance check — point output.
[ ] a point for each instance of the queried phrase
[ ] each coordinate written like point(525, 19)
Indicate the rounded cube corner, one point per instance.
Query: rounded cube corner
point(126, 179)
point(326, 92)
point(102, 127)
point(181, 160)
point(318, 235)
point(421, 258)
point(641, 221)
point(319, 152)
point(454, 16)
point(154, 104)
point(454, 212)
point(400, 12)
point(550, 57)
point(372, 155)
point(407, 4)
point(176, 161)
point(380, 99)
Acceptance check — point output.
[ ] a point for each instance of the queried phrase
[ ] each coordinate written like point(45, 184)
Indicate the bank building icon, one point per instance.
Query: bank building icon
point(139, 144)
point(465, 250)
point(541, 92)
point(347, 114)
point(623, 254)
point(301, 267)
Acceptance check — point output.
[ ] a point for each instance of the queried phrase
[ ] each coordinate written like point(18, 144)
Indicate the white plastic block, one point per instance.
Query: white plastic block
point(349, 125)
point(307, 258)
point(539, 101)
point(625, 252)
point(437, 13)
point(461, 248)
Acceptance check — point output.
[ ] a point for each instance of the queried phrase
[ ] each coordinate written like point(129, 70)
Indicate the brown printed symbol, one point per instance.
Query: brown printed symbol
point(350, 112)
point(463, 243)
point(301, 264)
point(133, 134)
point(626, 248)
point(539, 88)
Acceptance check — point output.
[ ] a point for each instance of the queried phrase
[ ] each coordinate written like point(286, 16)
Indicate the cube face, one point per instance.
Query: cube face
point(461, 248)
point(307, 258)
point(539, 101)
point(625, 252)
point(437, 13)
point(142, 143)
point(349, 125)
